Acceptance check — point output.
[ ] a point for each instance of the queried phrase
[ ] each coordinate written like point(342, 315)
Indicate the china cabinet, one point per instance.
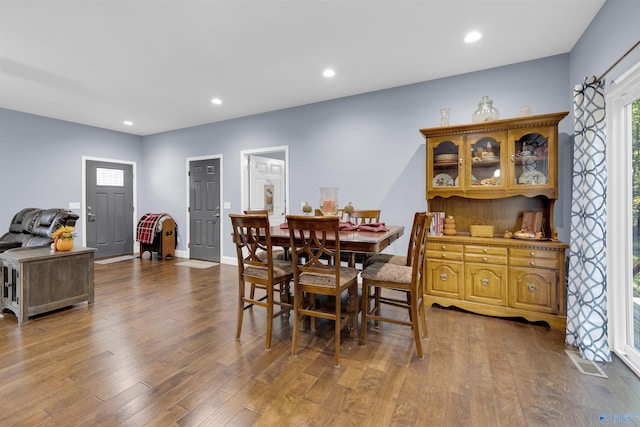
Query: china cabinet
point(497, 173)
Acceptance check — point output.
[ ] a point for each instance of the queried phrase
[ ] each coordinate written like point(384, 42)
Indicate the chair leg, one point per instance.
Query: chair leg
point(378, 293)
point(297, 320)
point(423, 317)
point(285, 297)
point(241, 286)
point(365, 311)
point(352, 309)
point(338, 329)
point(312, 320)
point(269, 317)
point(416, 325)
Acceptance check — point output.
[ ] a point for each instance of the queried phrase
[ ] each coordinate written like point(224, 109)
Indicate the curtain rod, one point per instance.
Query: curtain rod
point(618, 61)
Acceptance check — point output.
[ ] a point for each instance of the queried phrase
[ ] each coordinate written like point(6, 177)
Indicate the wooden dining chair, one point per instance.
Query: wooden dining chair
point(358, 217)
point(406, 279)
point(277, 254)
point(252, 238)
point(399, 259)
point(312, 241)
point(366, 216)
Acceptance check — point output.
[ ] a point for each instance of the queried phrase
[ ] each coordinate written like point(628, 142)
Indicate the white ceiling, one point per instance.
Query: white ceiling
point(159, 63)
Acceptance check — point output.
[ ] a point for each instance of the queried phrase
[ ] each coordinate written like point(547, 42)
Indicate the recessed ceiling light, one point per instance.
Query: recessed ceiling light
point(216, 101)
point(328, 73)
point(128, 122)
point(473, 36)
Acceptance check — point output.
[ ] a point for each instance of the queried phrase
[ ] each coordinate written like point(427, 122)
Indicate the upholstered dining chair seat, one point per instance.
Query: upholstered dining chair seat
point(280, 268)
point(388, 258)
point(387, 272)
point(347, 274)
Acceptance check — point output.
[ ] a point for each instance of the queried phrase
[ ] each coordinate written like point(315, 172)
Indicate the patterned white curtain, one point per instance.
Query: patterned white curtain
point(587, 279)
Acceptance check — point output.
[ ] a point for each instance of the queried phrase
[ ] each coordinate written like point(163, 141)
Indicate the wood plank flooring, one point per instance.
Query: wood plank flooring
point(158, 348)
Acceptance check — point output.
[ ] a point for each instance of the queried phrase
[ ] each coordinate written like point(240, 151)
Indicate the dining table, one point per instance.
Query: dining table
point(351, 241)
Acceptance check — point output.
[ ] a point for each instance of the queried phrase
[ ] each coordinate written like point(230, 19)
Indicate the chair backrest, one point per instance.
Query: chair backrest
point(256, 212)
point(252, 237)
point(415, 229)
point(313, 240)
point(417, 263)
point(366, 216)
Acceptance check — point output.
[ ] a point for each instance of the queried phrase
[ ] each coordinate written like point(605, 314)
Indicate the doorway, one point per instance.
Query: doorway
point(265, 181)
point(204, 213)
point(108, 207)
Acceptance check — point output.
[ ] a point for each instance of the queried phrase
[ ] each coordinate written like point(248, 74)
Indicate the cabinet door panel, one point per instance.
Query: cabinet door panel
point(443, 164)
point(533, 289)
point(486, 164)
point(486, 284)
point(445, 279)
point(532, 166)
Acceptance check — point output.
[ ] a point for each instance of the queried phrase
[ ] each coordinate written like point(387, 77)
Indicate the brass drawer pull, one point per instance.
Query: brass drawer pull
point(532, 263)
point(484, 258)
point(485, 250)
point(444, 247)
point(444, 255)
point(444, 277)
point(532, 254)
point(532, 287)
point(484, 282)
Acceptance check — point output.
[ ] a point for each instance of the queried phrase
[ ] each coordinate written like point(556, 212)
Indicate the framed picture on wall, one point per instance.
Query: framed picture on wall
point(268, 197)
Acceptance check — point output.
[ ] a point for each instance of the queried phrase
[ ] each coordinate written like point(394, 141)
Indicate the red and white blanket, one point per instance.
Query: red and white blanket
point(146, 230)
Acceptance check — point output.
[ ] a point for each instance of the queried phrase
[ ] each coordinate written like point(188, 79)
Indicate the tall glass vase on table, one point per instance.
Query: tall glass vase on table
point(329, 200)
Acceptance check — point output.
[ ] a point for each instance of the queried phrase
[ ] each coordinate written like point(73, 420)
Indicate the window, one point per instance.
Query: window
point(623, 217)
point(110, 177)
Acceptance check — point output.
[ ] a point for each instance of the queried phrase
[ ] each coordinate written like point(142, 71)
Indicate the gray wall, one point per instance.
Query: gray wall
point(367, 145)
point(41, 161)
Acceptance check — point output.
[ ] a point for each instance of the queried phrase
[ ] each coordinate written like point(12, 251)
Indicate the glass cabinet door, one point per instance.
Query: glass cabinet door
point(443, 167)
point(486, 153)
point(530, 160)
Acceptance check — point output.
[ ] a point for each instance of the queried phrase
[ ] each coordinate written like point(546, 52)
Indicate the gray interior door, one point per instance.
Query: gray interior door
point(204, 209)
point(109, 221)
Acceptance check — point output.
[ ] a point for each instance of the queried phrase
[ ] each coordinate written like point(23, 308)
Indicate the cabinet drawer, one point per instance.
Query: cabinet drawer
point(532, 253)
point(443, 247)
point(450, 256)
point(486, 259)
point(533, 262)
point(485, 250)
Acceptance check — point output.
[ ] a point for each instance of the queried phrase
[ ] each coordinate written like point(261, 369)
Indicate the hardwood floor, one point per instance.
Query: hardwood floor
point(158, 348)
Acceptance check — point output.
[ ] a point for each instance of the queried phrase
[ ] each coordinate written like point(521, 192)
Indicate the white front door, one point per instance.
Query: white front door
point(267, 187)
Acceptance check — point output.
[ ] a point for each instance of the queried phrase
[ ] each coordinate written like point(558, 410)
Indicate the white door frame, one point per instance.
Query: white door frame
point(85, 159)
point(187, 213)
point(244, 174)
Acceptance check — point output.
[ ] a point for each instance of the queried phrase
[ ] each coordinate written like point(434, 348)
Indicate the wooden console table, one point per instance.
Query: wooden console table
point(40, 280)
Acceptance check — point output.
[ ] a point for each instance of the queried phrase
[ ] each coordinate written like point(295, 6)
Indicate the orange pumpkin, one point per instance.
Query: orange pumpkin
point(63, 244)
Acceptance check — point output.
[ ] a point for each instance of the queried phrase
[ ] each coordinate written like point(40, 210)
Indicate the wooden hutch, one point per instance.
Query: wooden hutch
point(492, 173)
